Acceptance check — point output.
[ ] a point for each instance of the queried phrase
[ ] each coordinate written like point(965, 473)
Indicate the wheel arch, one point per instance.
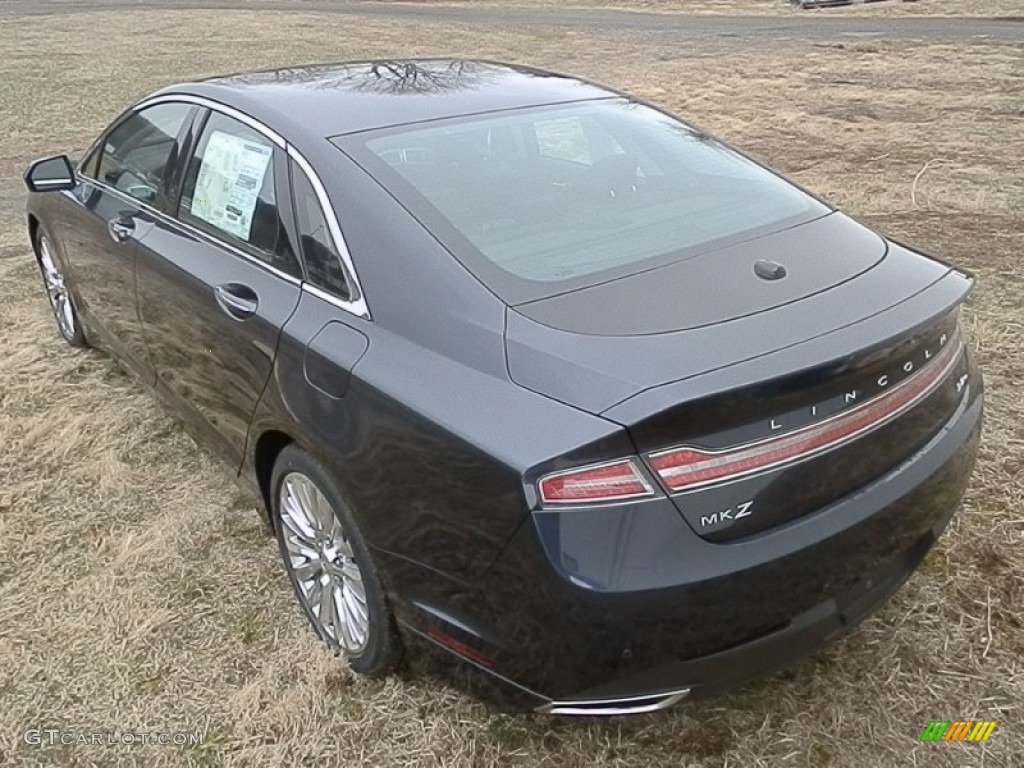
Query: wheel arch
point(33, 230)
point(268, 447)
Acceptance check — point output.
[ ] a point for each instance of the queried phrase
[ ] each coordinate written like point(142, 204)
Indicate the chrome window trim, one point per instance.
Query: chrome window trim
point(330, 298)
point(216, 106)
point(235, 250)
point(120, 120)
point(99, 140)
point(194, 231)
point(357, 304)
point(85, 156)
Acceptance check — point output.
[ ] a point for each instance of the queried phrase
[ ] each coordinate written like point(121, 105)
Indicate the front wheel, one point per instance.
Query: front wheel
point(329, 565)
point(57, 292)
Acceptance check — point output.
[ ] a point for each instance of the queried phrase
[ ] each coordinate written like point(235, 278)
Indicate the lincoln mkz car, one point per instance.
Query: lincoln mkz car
point(524, 369)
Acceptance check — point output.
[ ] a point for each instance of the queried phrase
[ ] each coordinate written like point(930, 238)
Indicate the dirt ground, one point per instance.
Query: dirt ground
point(139, 592)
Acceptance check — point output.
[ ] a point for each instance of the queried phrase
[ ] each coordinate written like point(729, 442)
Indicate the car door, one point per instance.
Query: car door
point(124, 183)
point(217, 283)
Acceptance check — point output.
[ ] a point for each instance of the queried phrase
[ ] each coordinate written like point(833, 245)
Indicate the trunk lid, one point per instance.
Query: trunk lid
point(596, 347)
point(720, 285)
point(725, 381)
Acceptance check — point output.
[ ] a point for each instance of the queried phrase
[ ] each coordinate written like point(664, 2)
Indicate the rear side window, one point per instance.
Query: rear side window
point(323, 262)
point(135, 157)
point(230, 191)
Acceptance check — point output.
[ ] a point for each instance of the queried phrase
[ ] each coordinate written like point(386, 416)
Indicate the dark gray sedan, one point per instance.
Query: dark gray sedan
point(524, 369)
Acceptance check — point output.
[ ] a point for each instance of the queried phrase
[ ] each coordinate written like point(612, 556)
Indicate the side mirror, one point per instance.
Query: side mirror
point(51, 174)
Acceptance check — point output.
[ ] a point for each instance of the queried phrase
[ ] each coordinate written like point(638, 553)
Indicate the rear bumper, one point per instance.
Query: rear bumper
point(761, 656)
point(624, 608)
point(714, 672)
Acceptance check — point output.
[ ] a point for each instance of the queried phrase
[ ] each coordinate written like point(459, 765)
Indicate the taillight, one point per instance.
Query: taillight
point(614, 481)
point(688, 467)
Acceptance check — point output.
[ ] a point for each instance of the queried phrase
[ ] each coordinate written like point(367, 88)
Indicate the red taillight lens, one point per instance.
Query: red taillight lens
point(616, 481)
point(686, 467)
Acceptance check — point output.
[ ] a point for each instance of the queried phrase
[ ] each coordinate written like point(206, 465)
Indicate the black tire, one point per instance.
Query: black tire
point(69, 326)
point(382, 650)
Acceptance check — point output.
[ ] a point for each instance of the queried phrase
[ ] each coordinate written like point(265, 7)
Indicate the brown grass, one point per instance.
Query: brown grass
point(986, 8)
point(139, 592)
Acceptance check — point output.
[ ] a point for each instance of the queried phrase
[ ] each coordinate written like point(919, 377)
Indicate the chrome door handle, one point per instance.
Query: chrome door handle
point(120, 229)
point(239, 301)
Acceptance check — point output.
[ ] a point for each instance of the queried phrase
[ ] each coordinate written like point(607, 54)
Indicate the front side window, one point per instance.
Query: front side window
point(136, 156)
point(323, 262)
point(89, 165)
point(230, 191)
point(545, 200)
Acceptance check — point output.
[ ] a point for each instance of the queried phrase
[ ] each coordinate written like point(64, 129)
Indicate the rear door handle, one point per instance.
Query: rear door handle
point(121, 228)
point(239, 301)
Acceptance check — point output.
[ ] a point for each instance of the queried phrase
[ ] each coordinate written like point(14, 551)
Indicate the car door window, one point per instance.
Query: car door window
point(89, 165)
point(230, 191)
point(323, 261)
point(136, 154)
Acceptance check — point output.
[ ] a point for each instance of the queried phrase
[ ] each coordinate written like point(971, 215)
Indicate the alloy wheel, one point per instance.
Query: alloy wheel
point(56, 290)
point(322, 561)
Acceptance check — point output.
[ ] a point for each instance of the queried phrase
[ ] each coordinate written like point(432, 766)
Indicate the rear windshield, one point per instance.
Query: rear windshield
point(544, 200)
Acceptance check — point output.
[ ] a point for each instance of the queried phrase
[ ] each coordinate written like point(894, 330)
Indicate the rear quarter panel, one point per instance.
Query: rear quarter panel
point(430, 438)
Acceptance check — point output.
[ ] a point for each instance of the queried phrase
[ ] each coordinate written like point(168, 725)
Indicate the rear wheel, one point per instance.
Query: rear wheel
point(57, 292)
point(329, 565)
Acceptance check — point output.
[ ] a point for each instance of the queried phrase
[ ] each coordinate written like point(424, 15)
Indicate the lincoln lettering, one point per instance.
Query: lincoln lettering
point(776, 423)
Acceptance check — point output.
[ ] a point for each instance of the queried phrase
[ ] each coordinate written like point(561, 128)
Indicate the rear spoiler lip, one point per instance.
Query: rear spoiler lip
point(909, 316)
point(945, 262)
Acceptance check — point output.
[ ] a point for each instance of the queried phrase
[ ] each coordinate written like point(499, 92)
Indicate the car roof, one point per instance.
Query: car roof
point(334, 99)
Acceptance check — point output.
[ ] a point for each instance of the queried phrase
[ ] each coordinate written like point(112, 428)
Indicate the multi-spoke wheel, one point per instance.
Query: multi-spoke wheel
point(329, 565)
point(321, 559)
point(57, 292)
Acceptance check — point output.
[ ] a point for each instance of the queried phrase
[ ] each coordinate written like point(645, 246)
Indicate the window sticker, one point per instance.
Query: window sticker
point(230, 178)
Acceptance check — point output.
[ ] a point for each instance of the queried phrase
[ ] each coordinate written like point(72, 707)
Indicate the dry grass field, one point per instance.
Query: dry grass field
point(139, 591)
point(780, 7)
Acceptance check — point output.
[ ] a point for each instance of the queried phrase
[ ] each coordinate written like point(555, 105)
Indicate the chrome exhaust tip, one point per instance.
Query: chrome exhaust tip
point(629, 705)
